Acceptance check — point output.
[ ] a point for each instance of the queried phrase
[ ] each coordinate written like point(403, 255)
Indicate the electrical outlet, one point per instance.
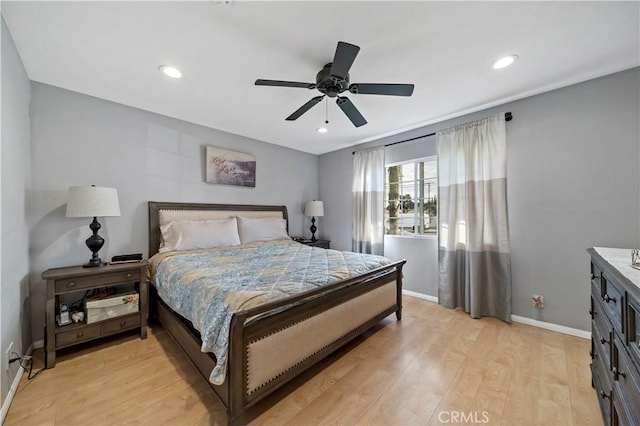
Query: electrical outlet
point(538, 301)
point(7, 355)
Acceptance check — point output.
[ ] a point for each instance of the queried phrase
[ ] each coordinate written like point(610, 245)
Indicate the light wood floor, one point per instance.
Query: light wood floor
point(422, 370)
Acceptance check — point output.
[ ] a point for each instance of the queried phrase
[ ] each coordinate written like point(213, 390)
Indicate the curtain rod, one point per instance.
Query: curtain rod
point(507, 117)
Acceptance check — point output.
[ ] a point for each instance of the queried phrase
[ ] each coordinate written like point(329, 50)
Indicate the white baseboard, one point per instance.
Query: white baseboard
point(420, 296)
point(522, 320)
point(551, 326)
point(14, 387)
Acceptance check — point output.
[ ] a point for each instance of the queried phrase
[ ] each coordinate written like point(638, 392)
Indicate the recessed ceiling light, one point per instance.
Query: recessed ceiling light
point(504, 62)
point(170, 71)
point(322, 130)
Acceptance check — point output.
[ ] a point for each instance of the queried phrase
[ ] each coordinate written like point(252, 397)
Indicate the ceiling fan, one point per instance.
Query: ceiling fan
point(333, 79)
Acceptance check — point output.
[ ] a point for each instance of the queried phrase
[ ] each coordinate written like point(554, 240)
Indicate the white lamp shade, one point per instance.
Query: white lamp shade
point(314, 208)
point(92, 201)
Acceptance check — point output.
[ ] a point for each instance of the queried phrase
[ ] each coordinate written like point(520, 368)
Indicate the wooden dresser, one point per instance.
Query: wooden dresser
point(615, 334)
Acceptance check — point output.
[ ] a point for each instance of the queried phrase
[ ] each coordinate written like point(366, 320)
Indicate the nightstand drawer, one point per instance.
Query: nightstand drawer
point(79, 283)
point(76, 336)
point(120, 324)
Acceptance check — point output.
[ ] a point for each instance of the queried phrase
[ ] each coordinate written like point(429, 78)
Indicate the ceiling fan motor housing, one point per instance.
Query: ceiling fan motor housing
point(329, 84)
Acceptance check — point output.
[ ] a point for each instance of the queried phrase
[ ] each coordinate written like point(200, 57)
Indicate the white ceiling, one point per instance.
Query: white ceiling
point(112, 50)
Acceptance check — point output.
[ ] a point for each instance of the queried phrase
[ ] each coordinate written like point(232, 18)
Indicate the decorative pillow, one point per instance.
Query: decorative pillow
point(253, 229)
point(199, 234)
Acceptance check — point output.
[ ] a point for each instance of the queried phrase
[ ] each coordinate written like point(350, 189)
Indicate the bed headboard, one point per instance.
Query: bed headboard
point(161, 213)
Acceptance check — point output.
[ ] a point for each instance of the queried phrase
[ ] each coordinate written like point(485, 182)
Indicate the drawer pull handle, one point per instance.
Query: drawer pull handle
point(71, 284)
point(123, 323)
point(603, 340)
point(129, 275)
point(604, 395)
point(592, 354)
point(617, 373)
point(80, 334)
point(592, 313)
point(594, 276)
point(608, 299)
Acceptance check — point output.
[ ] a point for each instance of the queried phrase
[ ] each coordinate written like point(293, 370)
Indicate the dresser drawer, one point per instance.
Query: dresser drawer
point(596, 278)
point(78, 335)
point(601, 344)
point(633, 329)
point(120, 324)
point(620, 416)
point(613, 303)
point(599, 316)
point(603, 389)
point(625, 379)
point(79, 283)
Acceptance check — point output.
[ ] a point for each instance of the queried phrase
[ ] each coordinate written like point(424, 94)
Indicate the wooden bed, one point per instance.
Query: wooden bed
point(261, 358)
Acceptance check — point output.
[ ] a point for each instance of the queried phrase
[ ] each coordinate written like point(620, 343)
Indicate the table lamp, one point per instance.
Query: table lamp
point(93, 201)
point(313, 209)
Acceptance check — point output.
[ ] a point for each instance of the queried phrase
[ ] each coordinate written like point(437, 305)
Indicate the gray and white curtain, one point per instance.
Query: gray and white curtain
point(473, 232)
point(367, 235)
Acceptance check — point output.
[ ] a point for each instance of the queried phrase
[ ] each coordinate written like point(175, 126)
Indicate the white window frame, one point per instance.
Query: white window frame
point(431, 235)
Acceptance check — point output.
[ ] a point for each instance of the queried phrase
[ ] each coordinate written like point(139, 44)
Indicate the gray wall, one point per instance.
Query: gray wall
point(15, 182)
point(81, 140)
point(573, 169)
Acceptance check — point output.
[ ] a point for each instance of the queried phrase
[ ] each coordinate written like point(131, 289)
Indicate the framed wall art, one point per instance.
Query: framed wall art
point(230, 167)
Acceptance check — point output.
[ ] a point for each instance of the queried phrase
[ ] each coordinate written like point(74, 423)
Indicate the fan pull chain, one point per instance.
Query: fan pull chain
point(326, 110)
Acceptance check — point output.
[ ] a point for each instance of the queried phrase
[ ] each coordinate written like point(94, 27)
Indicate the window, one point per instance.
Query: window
point(411, 198)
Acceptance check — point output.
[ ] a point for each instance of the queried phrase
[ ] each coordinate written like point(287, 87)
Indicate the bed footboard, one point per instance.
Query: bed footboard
point(267, 353)
point(271, 355)
point(268, 350)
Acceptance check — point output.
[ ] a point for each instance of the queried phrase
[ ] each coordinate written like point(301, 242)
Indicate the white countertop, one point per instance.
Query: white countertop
point(621, 260)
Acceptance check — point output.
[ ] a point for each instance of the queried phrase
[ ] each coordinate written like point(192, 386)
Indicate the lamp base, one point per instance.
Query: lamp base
point(94, 243)
point(313, 229)
point(94, 264)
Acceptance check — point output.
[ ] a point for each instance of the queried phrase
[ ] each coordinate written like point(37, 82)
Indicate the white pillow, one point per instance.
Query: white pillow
point(199, 234)
point(253, 229)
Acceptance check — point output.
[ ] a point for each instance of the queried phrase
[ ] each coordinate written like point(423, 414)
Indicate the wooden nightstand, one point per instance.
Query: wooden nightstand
point(76, 279)
point(325, 244)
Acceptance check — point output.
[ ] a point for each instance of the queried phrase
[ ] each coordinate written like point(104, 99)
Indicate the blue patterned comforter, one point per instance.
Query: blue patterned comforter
point(208, 286)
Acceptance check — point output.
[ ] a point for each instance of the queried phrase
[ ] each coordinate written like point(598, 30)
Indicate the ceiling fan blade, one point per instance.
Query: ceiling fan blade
point(381, 89)
point(351, 111)
point(280, 83)
point(343, 59)
point(304, 108)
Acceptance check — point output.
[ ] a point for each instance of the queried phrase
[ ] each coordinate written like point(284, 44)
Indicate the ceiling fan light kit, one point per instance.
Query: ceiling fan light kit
point(333, 79)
